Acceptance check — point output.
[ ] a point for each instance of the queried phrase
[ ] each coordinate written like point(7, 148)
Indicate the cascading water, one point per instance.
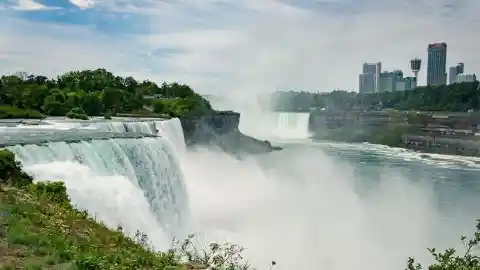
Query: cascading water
point(170, 129)
point(118, 180)
point(276, 125)
point(293, 125)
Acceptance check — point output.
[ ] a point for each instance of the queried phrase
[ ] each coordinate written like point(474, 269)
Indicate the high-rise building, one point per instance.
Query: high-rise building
point(375, 69)
point(453, 71)
point(437, 62)
point(366, 82)
point(460, 68)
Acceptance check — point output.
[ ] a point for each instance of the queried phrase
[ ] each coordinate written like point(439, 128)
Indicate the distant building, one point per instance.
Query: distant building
point(410, 83)
point(436, 64)
point(375, 69)
point(387, 81)
point(453, 71)
point(415, 65)
point(460, 68)
point(466, 78)
point(366, 83)
point(394, 81)
point(401, 85)
point(452, 75)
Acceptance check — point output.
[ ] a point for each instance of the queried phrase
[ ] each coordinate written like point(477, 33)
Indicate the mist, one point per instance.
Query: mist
point(302, 209)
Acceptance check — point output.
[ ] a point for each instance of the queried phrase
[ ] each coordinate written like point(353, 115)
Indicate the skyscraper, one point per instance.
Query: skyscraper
point(375, 69)
point(366, 83)
point(437, 64)
point(460, 68)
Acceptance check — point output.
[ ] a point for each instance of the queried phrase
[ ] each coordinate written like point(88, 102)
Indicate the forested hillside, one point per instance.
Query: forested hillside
point(79, 94)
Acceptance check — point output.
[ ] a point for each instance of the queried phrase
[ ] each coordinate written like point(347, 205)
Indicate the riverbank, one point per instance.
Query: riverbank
point(404, 136)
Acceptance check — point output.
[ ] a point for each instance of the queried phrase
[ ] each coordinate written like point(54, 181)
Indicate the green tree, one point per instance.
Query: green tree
point(96, 92)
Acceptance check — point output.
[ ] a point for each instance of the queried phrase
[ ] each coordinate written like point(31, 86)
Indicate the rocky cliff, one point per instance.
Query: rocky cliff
point(220, 129)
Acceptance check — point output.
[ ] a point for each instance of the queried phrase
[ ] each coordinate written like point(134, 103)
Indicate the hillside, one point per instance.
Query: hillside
point(39, 229)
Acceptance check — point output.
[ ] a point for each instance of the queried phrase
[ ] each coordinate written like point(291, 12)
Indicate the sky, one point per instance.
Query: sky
point(236, 46)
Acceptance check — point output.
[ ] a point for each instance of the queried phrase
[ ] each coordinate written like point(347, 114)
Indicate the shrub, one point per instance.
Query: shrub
point(449, 260)
point(10, 112)
point(11, 170)
point(215, 256)
point(108, 115)
point(55, 191)
point(77, 113)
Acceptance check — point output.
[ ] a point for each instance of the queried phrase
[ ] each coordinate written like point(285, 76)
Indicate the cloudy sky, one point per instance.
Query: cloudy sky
point(235, 46)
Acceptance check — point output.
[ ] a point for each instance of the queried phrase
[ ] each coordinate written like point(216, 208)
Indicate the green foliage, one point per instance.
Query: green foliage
point(78, 94)
point(10, 112)
point(54, 191)
point(390, 135)
point(108, 115)
point(214, 256)
point(177, 107)
point(458, 97)
point(11, 170)
point(450, 260)
point(77, 113)
point(43, 230)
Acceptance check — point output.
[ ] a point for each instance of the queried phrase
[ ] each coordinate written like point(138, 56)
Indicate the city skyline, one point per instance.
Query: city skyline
point(374, 79)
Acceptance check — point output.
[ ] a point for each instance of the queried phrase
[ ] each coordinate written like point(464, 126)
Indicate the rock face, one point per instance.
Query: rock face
point(221, 130)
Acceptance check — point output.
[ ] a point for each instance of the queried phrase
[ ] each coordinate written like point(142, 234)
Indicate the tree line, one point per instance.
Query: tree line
point(79, 94)
point(458, 97)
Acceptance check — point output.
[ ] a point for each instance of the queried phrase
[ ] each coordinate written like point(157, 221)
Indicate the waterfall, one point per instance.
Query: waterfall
point(170, 129)
point(115, 179)
point(276, 125)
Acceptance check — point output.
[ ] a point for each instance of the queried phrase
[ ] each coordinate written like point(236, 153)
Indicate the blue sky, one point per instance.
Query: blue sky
point(231, 46)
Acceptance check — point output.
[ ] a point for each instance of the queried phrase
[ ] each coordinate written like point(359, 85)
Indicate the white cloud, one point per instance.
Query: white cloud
point(83, 3)
point(29, 5)
point(255, 46)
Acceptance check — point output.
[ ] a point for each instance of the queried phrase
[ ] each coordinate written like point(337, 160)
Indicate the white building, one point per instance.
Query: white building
point(452, 75)
point(453, 72)
point(466, 78)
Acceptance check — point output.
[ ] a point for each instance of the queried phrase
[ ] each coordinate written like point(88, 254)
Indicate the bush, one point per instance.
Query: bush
point(215, 256)
point(11, 170)
point(10, 112)
point(77, 113)
point(449, 260)
point(108, 115)
point(54, 191)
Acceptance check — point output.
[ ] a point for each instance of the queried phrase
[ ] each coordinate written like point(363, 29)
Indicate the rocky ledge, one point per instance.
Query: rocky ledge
point(220, 129)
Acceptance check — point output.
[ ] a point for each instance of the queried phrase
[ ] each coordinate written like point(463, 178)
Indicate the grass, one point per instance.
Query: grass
point(41, 230)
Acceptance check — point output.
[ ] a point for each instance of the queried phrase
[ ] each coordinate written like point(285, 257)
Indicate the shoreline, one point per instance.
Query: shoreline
point(417, 149)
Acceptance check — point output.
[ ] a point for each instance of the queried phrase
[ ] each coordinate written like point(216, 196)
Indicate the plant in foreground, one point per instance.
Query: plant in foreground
point(214, 256)
point(450, 260)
